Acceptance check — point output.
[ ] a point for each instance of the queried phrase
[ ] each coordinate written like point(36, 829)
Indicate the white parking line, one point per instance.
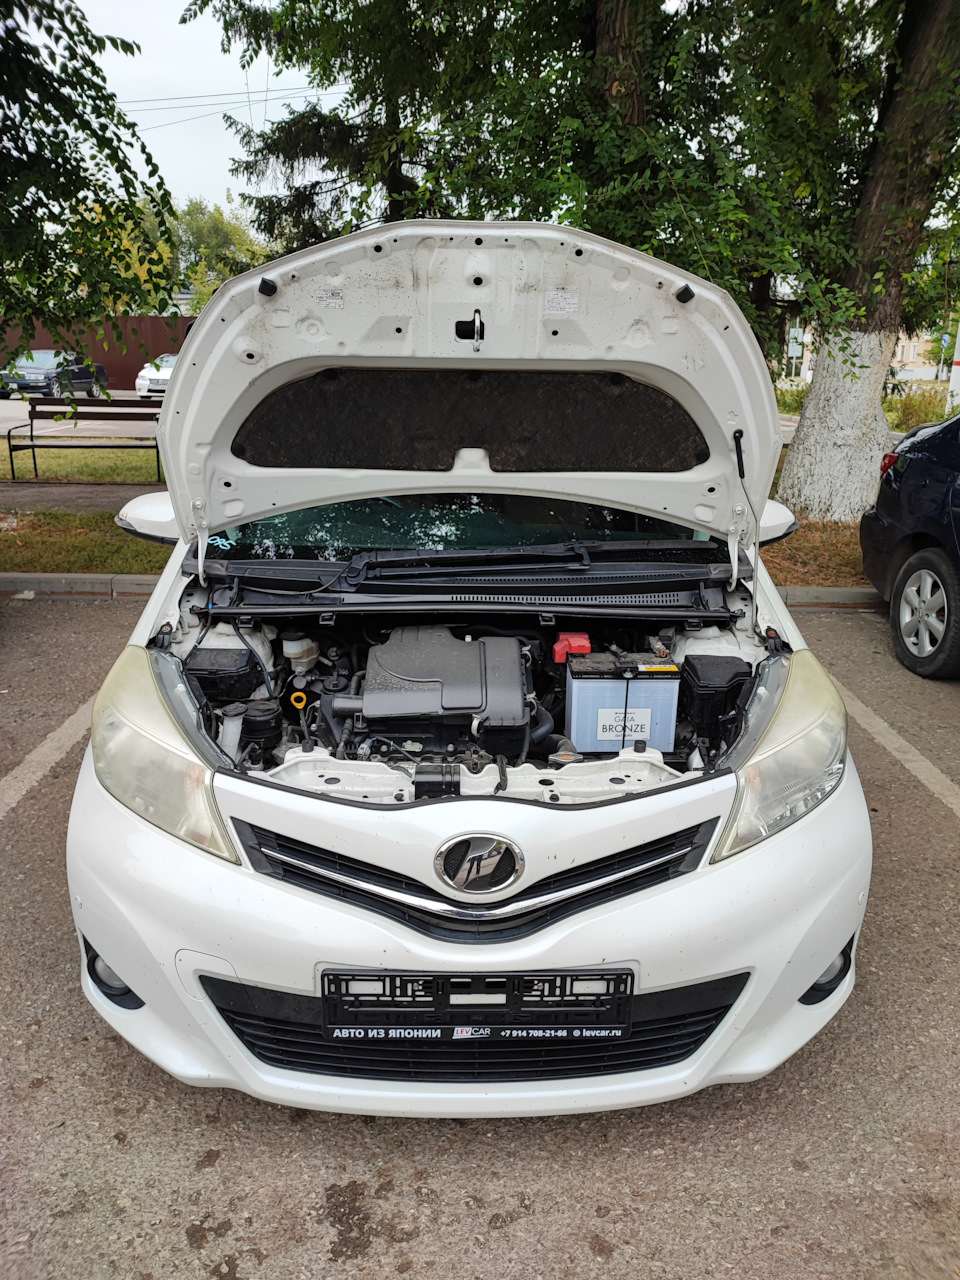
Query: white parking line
point(15, 785)
point(921, 768)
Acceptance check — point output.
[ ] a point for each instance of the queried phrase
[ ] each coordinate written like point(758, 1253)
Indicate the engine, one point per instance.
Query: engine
point(386, 712)
point(442, 694)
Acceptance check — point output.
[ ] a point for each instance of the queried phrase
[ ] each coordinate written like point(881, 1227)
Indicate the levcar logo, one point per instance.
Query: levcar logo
point(478, 864)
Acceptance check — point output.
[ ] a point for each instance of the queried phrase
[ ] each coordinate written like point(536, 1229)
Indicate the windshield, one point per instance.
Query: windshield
point(37, 360)
point(164, 362)
point(435, 521)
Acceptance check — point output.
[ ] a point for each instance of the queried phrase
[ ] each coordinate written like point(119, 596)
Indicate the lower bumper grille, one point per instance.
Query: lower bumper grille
point(285, 1031)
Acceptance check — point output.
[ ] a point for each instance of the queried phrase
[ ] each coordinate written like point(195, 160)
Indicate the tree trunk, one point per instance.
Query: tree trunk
point(622, 37)
point(832, 469)
point(399, 188)
point(833, 466)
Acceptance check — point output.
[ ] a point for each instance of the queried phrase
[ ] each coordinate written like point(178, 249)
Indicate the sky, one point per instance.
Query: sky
point(178, 86)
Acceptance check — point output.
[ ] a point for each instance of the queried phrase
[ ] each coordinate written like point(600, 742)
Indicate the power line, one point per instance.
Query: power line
point(230, 100)
point(205, 116)
point(188, 99)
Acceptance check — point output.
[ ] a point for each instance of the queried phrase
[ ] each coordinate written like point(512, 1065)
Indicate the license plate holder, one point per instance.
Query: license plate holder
point(402, 1007)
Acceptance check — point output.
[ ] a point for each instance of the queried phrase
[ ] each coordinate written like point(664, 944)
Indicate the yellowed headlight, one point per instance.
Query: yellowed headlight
point(143, 759)
point(797, 761)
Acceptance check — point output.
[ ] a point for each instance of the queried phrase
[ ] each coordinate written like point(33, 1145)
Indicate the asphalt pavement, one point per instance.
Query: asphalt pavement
point(842, 1163)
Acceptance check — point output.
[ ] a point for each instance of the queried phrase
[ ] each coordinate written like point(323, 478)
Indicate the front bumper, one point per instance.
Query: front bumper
point(879, 538)
point(144, 387)
point(38, 387)
point(163, 915)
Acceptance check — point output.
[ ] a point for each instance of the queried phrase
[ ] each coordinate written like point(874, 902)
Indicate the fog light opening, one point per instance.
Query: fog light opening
point(831, 978)
point(108, 981)
point(108, 978)
point(832, 970)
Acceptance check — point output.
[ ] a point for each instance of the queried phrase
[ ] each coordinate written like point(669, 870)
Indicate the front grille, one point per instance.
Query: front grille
point(419, 907)
point(285, 1030)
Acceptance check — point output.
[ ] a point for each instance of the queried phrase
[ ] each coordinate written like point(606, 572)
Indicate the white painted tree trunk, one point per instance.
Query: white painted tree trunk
point(833, 464)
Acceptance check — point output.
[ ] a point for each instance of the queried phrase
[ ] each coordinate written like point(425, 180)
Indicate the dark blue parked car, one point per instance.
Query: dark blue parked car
point(911, 551)
point(51, 373)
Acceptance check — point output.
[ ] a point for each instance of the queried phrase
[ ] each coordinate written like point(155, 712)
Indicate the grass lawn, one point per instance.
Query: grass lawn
point(84, 466)
point(62, 542)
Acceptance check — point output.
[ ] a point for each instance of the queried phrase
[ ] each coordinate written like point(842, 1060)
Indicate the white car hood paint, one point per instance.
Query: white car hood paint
point(343, 302)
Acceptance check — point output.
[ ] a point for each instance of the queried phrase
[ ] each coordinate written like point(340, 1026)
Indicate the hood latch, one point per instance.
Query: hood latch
point(470, 330)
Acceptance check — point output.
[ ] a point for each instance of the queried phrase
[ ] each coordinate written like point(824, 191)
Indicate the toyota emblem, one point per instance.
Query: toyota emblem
point(479, 863)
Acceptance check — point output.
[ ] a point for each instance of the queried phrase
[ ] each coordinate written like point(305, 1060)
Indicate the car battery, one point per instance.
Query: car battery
point(616, 699)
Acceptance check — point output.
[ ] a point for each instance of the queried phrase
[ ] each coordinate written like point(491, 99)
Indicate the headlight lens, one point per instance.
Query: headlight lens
point(792, 763)
point(145, 759)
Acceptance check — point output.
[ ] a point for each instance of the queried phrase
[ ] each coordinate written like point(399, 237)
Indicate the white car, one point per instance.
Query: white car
point(154, 378)
point(465, 761)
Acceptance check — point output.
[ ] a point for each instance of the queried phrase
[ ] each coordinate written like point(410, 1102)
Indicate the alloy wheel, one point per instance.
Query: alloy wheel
point(922, 613)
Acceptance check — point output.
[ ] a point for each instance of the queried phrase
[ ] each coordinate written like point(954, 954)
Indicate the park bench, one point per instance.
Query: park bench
point(49, 409)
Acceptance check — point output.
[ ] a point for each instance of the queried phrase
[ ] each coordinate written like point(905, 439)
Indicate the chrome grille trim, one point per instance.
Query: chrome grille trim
point(415, 904)
point(479, 911)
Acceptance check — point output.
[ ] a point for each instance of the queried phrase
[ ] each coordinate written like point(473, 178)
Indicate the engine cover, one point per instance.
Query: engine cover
point(427, 674)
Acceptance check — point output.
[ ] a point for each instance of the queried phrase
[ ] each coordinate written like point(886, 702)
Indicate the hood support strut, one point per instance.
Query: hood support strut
point(739, 511)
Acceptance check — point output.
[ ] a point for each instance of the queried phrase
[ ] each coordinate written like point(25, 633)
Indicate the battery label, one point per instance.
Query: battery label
point(610, 724)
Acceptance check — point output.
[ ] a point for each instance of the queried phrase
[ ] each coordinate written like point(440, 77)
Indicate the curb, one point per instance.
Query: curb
point(832, 598)
point(135, 586)
point(99, 586)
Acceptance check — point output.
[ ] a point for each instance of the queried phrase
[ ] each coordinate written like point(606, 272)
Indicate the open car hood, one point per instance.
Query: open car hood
point(471, 357)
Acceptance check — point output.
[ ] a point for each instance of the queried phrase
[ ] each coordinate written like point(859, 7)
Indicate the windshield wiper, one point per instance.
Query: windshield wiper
point(381, 564)
point(611, 562)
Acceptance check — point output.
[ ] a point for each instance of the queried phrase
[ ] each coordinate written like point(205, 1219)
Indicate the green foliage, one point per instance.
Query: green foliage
point(206, 246)
point(922, 402)
point(517, 111)
point(222, 243)
point(74, 213)
point(731, 139)
point(790, 399)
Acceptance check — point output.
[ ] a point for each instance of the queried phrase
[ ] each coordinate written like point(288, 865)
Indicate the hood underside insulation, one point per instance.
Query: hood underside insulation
point(418, 419)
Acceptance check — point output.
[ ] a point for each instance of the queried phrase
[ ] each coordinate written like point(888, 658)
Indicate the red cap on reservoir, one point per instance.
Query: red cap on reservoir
point(570, 642)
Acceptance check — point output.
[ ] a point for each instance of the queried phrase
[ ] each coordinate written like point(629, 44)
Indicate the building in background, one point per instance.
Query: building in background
point(910, 361)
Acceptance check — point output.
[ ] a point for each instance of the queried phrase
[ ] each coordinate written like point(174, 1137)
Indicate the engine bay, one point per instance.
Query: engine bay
point(375, 708)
